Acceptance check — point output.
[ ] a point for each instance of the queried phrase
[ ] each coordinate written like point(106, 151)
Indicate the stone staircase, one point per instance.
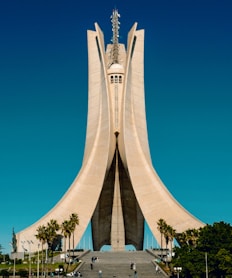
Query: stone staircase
point(118, 265)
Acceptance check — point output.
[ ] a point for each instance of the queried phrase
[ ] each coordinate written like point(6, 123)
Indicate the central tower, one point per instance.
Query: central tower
point(117, 188)
point(117, 219)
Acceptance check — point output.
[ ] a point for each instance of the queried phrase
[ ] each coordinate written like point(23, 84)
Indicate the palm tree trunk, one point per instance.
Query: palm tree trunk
point(161, 242)
point(65, 255)
point(69, 239)
point(166, 251)
point(73, 244)
point(42, 258)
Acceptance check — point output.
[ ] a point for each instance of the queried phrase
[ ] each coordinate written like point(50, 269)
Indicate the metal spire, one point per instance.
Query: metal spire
point(115, 28)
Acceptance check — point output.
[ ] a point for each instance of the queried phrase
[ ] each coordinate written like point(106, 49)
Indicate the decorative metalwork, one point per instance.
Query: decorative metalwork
point(115, 28)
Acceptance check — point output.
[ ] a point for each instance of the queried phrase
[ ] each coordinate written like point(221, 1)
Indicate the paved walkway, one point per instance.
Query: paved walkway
point(119, 265)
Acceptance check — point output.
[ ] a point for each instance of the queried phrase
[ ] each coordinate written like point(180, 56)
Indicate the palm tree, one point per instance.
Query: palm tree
point(170, 235)
point(51, 233)
point(165, 232)
point(191, 236)
point(66, 231)
point(74, 222)
point(181, 239)
point(161, 228)
point(41, 236)
point(188, 238)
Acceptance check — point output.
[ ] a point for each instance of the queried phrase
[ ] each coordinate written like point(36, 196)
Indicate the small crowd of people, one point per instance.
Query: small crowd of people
point(77, 274)
point(74, 274)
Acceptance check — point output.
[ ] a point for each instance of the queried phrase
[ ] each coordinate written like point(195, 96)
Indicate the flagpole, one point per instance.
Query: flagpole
point(206, 265)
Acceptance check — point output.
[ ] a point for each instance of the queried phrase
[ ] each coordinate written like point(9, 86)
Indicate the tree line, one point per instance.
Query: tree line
point(49, 234)
point(203, 252)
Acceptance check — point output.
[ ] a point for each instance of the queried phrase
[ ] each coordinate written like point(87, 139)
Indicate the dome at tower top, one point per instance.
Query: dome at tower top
point(116, 68)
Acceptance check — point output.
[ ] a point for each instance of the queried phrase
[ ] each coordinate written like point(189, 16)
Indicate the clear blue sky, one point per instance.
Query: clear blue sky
point(43, 100)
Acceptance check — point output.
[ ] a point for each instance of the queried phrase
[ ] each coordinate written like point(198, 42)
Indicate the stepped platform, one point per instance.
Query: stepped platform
point(119, 265)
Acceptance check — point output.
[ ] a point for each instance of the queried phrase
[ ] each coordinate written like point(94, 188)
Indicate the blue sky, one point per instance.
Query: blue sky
point(43, 100)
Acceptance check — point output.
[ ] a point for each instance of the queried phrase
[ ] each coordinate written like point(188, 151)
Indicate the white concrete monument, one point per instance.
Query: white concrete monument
point(117, 188)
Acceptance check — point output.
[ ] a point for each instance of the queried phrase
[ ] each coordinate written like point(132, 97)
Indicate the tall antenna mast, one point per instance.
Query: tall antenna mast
point(115, 28)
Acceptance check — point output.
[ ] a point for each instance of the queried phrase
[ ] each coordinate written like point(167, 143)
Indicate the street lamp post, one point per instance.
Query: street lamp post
point(14, 258)
point(177, 269)
point(38, 262)
point(14, 265)
point(206, 265)
point(29, 244)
